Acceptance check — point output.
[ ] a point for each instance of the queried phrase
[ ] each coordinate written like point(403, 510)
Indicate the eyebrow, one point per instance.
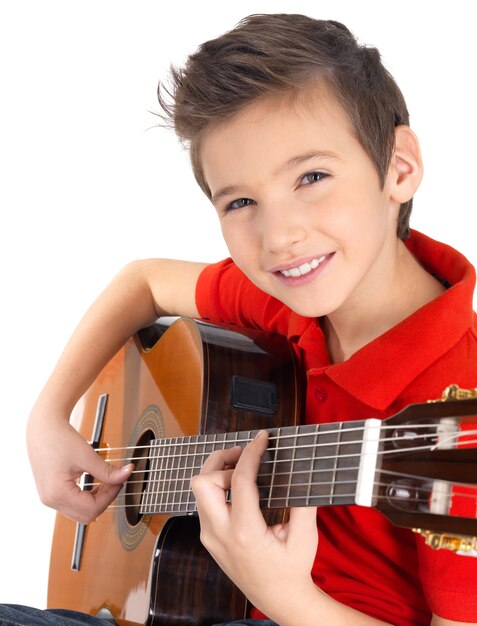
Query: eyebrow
point(288, 165)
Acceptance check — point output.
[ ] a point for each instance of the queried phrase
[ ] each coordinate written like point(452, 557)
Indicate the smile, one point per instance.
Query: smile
point(303, 269)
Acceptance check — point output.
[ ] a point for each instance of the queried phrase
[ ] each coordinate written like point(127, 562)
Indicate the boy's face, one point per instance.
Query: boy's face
point(300, 204)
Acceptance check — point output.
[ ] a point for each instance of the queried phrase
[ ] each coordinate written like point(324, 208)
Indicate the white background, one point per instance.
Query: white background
point(86, 183)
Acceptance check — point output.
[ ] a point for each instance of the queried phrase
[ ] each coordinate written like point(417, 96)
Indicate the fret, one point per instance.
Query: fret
point(157, 466)
point(151, 473)
point(265, 482)
point(349, 453)
point(190, 463)
point(323, 455)
point(335, 463)
point(233, 439)
point(278, 473)
point(145, 493)
point(306, 438)
point(184, 483)
point(173, 477)
point(161, 490)
point(292, 469)
point(166, 490)
point(202, 454)
point(170, 482)
point(310, 472)
point(230, 440)
point(309, 465)
point(175, 489)
point(211, 447)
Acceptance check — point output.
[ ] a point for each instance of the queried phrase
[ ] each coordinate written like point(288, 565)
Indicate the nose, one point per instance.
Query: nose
point(282, 227)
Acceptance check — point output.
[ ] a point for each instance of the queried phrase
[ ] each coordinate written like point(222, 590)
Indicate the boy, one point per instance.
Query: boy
point(300, 138)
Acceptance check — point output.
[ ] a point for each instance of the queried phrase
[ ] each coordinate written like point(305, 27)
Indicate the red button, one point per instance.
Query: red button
point(321, 394)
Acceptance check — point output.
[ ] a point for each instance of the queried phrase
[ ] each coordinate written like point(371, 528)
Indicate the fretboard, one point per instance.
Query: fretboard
point(309, 465)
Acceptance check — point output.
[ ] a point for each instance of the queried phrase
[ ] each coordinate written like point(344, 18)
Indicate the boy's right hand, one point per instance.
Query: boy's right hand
point(59, 456)
point(139, 294)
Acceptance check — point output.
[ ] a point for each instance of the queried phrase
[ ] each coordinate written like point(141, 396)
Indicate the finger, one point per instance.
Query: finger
point(106, 472)
point(85, 503)
point(201, 484)
point(210, 493)
point(102, 487)
point(221, 459)
point(85, 506)
point(245, 497)
point(302, 534)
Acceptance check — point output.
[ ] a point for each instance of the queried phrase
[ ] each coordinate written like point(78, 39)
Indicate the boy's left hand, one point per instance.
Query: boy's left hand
point(270, 564)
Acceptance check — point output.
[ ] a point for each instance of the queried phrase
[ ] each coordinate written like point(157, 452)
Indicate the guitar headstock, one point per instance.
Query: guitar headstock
point(427, 470)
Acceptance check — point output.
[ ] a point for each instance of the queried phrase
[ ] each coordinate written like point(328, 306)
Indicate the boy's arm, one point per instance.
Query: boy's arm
point(271, 565)
point(139, 294)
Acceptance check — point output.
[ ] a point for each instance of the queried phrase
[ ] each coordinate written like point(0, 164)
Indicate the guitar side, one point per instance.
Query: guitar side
point(152, 569)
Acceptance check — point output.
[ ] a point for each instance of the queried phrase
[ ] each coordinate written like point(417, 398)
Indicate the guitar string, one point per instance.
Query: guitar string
point(294, 473)
point(175, 442)
point(173, 505)
point(440, 490)
point(298, 434)
point(214, 445)
point(279, 503)
point(180, 469)
point(437, 491)
point(425, 480)
point(205, 453)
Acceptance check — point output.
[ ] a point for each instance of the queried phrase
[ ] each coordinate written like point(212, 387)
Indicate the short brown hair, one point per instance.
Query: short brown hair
point(274, 54)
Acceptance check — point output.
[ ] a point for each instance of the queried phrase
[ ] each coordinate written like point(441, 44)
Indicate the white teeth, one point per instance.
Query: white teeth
point(295, 271)
point(303, 269)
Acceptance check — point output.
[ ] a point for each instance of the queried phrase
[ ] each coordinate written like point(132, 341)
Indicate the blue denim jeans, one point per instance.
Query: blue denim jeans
point(17, 615)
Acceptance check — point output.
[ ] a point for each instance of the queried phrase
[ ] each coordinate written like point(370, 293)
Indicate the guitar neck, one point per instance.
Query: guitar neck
point(308, 465)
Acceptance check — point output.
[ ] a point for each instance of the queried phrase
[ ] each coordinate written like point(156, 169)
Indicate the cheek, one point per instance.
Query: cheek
point(236, 241)
point(354, 217)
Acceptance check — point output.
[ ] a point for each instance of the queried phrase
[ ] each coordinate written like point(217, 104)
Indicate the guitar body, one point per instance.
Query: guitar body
point(168, 381)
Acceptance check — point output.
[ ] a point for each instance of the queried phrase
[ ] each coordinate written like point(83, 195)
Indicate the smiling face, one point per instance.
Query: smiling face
point(300, 204)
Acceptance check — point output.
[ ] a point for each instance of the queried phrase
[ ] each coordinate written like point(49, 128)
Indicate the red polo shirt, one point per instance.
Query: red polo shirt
point(363, 560)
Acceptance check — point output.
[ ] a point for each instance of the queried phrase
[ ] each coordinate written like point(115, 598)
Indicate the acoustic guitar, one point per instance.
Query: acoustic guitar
point(178, 391)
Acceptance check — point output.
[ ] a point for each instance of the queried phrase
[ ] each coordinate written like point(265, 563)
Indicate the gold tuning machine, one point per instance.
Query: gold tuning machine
point(463, 544)
point(454, 392)
point(456, 543)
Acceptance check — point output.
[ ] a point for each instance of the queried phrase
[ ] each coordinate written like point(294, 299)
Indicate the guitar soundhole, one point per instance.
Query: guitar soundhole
point(137, 483)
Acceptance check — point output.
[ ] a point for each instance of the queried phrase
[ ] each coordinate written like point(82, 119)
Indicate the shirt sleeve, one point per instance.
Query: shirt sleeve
point(224, 294)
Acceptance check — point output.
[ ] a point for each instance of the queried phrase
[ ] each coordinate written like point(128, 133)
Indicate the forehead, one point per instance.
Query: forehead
point(274, 131)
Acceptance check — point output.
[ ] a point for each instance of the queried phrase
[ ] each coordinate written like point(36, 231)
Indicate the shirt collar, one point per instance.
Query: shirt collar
point(379, 371)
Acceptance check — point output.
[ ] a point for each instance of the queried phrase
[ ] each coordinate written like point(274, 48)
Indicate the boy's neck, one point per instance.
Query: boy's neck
point(348, 330)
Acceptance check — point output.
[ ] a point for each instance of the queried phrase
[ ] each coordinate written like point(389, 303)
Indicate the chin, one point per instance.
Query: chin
point(307, 310)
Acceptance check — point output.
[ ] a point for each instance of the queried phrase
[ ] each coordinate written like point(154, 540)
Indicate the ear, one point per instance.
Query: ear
point(406, 169)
